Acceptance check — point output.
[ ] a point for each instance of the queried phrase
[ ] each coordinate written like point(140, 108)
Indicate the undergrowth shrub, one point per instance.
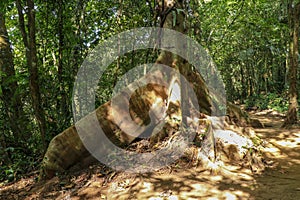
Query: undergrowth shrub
point(268, 101)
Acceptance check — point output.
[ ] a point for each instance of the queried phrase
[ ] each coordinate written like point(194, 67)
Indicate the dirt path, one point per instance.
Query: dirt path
point(183, 181)
point(283, 180)
point(280, 181)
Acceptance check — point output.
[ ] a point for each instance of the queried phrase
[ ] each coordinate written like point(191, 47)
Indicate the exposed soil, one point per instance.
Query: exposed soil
point(183, 180)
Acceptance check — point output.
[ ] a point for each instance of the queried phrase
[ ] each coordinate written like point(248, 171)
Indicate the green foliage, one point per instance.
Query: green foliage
point(248, 41)
point(20, 164)
point(268, 101)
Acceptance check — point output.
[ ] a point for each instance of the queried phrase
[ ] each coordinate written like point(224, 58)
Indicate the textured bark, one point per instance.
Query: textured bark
point(294, 17)
point(67, 149)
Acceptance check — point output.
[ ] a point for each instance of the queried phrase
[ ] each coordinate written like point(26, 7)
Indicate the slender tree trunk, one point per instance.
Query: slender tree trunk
point(9, 86)
point(29, 40)
point(294, 17)
point(62, 100)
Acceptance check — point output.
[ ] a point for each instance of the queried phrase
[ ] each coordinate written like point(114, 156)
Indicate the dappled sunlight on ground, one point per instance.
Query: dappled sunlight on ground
point(188, 184)
point(281, 143)
point(281, 180)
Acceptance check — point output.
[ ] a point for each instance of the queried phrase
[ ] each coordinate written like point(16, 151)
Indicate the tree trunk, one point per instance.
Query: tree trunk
point(62, 96)
point(29, 41)
point(61, 155)
point(9, 86)
point(294, 17)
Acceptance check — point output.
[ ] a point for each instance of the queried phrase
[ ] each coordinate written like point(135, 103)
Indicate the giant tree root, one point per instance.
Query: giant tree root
point(67, 149)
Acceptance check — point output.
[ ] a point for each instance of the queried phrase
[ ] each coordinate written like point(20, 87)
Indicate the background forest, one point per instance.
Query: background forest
point(43, 44)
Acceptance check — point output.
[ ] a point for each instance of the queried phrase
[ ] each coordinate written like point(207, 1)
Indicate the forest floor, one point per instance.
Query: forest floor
point(280, 180)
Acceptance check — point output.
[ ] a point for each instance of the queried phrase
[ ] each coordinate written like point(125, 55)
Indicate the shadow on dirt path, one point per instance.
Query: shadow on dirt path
point(183, 180)
point(282, 180)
